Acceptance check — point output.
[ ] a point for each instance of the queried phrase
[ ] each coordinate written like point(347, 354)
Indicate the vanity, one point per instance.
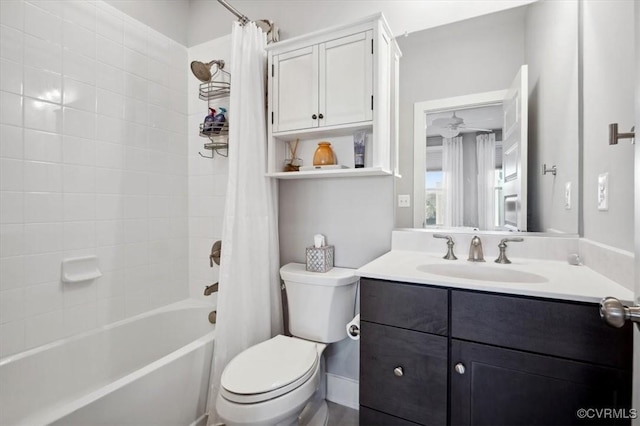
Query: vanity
point(460, 343)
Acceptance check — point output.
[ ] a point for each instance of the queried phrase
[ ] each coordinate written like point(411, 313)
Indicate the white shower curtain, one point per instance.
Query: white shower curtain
point(453, 181)
point(249, 304)
point(486, 157)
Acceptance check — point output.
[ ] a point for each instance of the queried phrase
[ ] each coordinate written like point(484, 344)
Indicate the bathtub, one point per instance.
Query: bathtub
point(149, 369)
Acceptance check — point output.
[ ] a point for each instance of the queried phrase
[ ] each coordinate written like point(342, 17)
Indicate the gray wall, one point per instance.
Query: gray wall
point(551, 50)
point(609, 73)
point(434, 65)
point(355, 215)
point(169, 17)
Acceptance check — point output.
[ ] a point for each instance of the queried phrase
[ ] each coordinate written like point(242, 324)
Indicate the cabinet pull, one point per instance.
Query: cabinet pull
point(321, 116)
point(460, 368)
point(398, 371)
point(314, 116)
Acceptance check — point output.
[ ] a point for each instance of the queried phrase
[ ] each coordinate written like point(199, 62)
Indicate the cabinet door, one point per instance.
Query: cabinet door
point(508, 387)
point(295, 89)
point(403, 373)
point(346, 80)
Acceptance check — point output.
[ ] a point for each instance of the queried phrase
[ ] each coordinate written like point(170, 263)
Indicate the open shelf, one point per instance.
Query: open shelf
point(366, 171)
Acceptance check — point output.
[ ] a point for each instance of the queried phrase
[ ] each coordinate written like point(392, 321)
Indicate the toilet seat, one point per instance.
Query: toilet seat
point(269, 369)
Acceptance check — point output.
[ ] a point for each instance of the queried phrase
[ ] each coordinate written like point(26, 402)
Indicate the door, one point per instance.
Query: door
point(514, 153)
point(295, 89)
point(496, 386)
point(346, 80)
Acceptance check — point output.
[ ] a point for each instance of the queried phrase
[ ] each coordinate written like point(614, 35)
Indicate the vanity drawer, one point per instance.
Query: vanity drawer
point(419, 392)
point(566, 329)
point(409, 306)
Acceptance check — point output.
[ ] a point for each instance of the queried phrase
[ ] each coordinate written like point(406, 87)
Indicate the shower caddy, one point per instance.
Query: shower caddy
point(327, 86)
point(218, 87)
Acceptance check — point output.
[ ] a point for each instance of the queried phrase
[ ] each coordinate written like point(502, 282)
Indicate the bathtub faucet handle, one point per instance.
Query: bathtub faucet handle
point(210, 289)
point(216, 251)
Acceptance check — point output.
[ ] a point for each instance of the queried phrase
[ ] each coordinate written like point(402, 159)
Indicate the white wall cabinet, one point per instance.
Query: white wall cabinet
point(327, 86)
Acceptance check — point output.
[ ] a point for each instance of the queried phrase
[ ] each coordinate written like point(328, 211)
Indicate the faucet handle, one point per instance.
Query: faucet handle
point(504, 241)
point(450, 255)
point(502, 257)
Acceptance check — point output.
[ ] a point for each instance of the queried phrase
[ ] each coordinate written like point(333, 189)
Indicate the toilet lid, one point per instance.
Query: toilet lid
point(269, 366)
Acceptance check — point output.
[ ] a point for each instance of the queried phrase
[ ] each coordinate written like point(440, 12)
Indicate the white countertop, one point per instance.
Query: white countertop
point(565, 282)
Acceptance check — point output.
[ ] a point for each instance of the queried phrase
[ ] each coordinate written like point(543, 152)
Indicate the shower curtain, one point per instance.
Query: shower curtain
point(453, 181)
point(249, 304)
point(486, 157)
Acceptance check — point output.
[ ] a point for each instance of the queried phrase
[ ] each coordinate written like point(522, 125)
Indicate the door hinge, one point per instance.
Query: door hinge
point(371, 102)
point(271, 117)
point(372, 46)
point(272, 70)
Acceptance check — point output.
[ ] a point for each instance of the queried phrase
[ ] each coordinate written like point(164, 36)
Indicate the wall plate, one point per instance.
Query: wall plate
point(567, 196)
point(404, 200)
point(603, 191)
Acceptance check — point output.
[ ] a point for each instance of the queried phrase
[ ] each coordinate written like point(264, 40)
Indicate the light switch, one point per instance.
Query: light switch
point(603, 191)
point(567, 196)
point(404, 200)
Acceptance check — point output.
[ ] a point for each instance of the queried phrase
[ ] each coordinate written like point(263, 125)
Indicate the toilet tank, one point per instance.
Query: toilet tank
point(320, 304)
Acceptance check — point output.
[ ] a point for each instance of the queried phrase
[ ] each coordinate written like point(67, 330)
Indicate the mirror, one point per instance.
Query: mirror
point(447, 70)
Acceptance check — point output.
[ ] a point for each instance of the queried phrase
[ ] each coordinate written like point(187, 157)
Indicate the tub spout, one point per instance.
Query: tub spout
point(210, 289)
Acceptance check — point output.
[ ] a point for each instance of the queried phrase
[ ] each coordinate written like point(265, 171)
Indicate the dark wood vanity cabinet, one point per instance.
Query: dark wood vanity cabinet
point(475, 358)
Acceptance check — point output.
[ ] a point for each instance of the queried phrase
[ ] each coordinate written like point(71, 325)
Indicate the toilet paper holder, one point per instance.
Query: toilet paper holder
point(354, 330)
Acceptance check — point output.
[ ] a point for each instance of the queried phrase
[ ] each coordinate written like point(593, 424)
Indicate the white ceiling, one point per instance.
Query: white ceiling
point(209, 20)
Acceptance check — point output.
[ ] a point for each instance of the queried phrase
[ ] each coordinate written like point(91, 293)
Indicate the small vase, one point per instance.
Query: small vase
point(324, 155)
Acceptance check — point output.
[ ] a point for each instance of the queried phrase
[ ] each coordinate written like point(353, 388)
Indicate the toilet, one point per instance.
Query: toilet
point(281, 379)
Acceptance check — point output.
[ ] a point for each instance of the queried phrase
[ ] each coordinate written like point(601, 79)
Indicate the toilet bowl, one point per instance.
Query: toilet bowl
point(270, 383)
point(278, 380)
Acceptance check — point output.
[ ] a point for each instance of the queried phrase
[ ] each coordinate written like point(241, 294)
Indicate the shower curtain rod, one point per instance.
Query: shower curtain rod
point(242, 18)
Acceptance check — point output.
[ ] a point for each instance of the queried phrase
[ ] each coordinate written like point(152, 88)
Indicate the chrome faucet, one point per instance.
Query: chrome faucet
point(475, 250)
point(450, 244)
point(502, 258)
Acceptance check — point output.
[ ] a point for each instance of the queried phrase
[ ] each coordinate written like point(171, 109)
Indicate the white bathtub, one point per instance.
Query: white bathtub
point(150, 369)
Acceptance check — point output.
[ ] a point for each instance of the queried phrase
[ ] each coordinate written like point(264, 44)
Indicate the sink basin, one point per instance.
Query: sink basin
point(482, 273)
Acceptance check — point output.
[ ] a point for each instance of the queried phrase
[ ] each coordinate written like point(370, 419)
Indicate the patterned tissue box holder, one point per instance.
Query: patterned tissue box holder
point(319, 259)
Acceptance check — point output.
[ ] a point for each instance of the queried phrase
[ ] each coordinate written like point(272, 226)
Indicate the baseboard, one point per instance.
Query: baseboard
point(343, 391)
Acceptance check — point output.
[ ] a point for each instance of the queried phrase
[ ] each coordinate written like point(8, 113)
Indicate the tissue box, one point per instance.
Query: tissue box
point(319, 259)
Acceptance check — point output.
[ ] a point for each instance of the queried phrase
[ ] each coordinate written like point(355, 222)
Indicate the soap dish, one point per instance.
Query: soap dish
point(79, 269)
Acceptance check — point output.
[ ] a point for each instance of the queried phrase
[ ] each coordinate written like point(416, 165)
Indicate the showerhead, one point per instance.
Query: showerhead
point(202, 71)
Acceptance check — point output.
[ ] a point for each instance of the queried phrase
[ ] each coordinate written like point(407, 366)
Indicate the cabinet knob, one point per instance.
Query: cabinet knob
point(398, 371)
point(460, 368)
point(314, 116)
point(321, 116)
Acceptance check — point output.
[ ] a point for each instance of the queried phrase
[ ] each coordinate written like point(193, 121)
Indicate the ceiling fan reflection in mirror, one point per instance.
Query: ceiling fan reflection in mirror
point(449, 127)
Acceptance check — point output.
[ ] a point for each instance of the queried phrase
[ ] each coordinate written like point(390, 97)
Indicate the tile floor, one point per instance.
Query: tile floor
point(339, 415)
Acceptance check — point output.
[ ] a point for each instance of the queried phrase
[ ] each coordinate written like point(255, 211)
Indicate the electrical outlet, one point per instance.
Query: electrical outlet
point(404, 200)
point(603, 191)
point(567, 196)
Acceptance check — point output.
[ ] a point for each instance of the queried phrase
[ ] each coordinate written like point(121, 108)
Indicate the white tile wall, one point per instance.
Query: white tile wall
point(93, 160)
point(207, 177)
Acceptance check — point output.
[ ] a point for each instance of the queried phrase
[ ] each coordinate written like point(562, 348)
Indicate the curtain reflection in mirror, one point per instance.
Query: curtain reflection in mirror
point(453, 181)
point(486, 166)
